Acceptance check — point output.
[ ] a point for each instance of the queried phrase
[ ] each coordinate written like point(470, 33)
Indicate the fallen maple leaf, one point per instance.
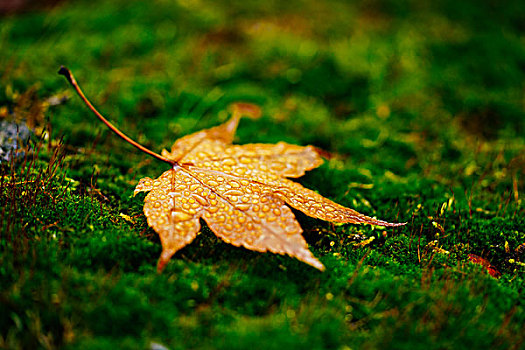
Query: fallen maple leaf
point(240, 191)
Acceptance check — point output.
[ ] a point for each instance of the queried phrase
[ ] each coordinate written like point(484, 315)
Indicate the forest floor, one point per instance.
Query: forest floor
point(419, 108)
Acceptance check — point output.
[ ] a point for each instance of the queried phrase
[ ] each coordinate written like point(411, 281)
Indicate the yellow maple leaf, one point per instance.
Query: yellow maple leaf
point(240, 191)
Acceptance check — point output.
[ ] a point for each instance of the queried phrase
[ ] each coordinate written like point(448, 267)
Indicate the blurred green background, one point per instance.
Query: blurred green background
point(419, 107)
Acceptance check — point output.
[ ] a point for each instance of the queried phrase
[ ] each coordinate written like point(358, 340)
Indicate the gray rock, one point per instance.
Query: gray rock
point(12, 137)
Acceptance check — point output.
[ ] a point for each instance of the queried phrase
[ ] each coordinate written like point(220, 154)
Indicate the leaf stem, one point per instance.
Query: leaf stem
point(71, 79)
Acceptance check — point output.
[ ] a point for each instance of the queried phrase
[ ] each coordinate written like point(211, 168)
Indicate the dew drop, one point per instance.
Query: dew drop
point(234, 193)
point(200, 199)
point(180, 215)
point(243, 206)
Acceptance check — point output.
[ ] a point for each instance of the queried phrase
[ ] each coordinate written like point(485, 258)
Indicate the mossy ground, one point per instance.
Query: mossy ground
point(421, 108)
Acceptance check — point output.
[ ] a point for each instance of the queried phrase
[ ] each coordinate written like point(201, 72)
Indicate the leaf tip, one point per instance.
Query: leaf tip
point(145, 184)
point(386, 223)
point(245, 109)
point(397, 224)
point(312, 261)
point(165, 257)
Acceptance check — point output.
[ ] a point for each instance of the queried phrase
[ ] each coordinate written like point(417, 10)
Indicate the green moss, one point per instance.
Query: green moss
point(418, 106)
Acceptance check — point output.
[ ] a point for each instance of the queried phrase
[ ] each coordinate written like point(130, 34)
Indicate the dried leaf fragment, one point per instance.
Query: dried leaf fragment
point(476, 259)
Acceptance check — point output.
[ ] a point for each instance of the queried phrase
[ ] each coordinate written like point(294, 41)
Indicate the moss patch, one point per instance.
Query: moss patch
point(420, 110)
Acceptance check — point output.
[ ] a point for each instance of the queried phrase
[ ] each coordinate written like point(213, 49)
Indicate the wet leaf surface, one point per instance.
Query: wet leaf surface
point(241, 192)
